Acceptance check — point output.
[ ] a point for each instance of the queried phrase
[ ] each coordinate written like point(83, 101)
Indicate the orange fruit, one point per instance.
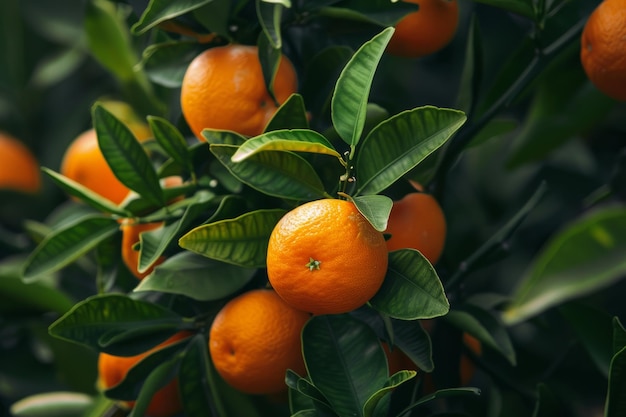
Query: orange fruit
point(324, 257)
point(223, 88)
point(113, 369)
point(84, 163)
point(603, 48)
point(417, 221)
point(130, 238)
point(19, 170)
point(254, 339)
point(426, 30)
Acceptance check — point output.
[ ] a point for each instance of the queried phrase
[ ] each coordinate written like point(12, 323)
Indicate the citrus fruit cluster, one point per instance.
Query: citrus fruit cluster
point(603, 48)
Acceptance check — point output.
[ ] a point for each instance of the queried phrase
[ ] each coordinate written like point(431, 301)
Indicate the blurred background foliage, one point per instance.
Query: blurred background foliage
point(559, 131)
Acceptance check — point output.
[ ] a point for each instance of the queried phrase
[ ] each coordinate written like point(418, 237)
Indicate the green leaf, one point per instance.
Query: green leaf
point(290, 115)
point(594, 328)
point(66, 244)
point(619, 335)
point(344, 360)
point(126, 157)
point(349, 102)
point(392, 383)
point(83, 193)
point(269, 58)
point(305, 397)
point(585, 257)
point(615, 405)
point(196, 277)
point(16, 295)
point(108, 39)
point(400, 143)
point(380, 12)
point(471, 78)
point(161, 10)
point(269, 15)
point(485, 327)
point(171, 140)
point(411, 289)
point(375, 208)
point(165, 63)
point(521, 7)
point(279, 174)
point(295, 140)
point(239, 241)
point(53, 404)
point(109, 314)
point(223, 137)
point(441, 394)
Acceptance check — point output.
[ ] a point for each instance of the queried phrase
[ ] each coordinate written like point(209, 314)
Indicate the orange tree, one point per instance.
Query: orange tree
point(519, 314)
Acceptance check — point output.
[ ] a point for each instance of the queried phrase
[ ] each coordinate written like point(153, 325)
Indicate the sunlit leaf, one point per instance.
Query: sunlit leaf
point(53, 404)
point(411, 289)
point(279, 174)
point(349, 102)
point(65, 245)
point(584, 257)
point(344, 360)
point(296, 140)
point(400, 143)
point(240, 241)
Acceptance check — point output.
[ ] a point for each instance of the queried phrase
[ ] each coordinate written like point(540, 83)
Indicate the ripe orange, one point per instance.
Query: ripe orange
point(254, 339)
point(84, 163)
point(113, 369)
point(130, 237)
point(19, 170)
point(603, 48)
point(426, 30)
point(324, 257)
point(223, 88)
point(417, 221)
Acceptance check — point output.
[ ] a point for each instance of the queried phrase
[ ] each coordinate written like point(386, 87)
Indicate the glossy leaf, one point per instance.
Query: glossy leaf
point(392, 383)
point(375, 208)
point(349, 102)
point(290, 115)
point(400, 143)
point(411, 289)
point(83, 193)
point(161, 374)
point(583, 258)
point(344, 360)
point(239, 241)
point(53, 404)
point(295, 140)
point(171, 140)
point(165, 63)
point(269, 15)
point(485, 327)
point(304, 396)
point(161, 10)
point(126, 157)
point(196, 277)
point(89, 320)
point(223, 137)
point(67, 244)
point(269, 56)
point(279, 174)
point(415, 342)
